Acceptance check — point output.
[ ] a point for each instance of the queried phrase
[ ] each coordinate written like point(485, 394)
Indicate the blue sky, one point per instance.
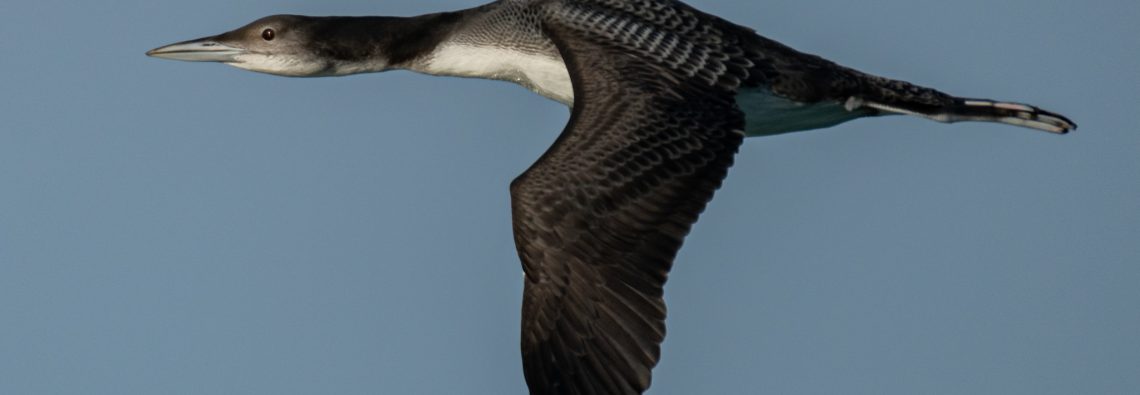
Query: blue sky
point(182, 228)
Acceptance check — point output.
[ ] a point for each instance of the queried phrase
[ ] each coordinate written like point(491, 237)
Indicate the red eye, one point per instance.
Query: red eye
point(268, 34)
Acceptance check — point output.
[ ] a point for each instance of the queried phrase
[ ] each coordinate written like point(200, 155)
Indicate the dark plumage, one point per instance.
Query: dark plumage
point(662, 96)
point(599, 218)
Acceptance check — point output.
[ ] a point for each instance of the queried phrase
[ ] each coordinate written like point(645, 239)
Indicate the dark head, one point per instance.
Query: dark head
point(279, 44)
point(305, 46)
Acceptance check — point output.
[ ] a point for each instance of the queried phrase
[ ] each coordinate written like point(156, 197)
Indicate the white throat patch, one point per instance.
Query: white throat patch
point(540, 73)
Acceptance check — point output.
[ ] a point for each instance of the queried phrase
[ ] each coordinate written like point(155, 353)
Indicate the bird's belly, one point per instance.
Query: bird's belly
point(766, 113)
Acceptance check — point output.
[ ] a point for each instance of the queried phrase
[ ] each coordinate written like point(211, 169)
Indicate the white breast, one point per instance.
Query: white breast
point(543, 74)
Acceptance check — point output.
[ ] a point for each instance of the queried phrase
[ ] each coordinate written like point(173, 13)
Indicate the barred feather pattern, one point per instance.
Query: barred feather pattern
point(668, 33)
point(600, 217)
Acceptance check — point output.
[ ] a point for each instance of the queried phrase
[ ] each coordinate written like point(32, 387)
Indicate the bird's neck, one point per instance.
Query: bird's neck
point(377, 43)
point(448, 44)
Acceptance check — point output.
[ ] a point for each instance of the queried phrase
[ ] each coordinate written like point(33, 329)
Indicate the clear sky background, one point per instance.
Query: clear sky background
point(178, 228)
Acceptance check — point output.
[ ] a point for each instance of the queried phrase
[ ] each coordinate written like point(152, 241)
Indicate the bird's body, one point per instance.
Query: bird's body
point(661, 95)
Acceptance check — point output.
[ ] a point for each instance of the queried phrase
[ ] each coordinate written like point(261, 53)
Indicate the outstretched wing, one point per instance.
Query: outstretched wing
point(599, 218)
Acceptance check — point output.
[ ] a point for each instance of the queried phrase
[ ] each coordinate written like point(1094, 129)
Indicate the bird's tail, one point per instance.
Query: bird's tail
point(899, 97)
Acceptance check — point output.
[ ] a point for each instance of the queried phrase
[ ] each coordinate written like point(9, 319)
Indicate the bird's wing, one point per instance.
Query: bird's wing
point(599, 218)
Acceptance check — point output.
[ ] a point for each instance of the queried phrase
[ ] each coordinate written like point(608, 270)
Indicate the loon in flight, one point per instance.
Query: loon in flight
point(661, 96)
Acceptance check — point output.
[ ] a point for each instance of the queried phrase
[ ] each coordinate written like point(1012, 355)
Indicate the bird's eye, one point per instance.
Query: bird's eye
point(268, 34)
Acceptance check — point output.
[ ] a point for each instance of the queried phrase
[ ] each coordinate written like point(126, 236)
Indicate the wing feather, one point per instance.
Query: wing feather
point(600, 217)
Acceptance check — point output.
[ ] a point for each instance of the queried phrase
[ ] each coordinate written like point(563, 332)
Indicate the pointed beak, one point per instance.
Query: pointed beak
point(207, 49)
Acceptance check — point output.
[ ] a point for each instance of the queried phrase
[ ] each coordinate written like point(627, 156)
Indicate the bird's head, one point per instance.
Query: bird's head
point(287, 45)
